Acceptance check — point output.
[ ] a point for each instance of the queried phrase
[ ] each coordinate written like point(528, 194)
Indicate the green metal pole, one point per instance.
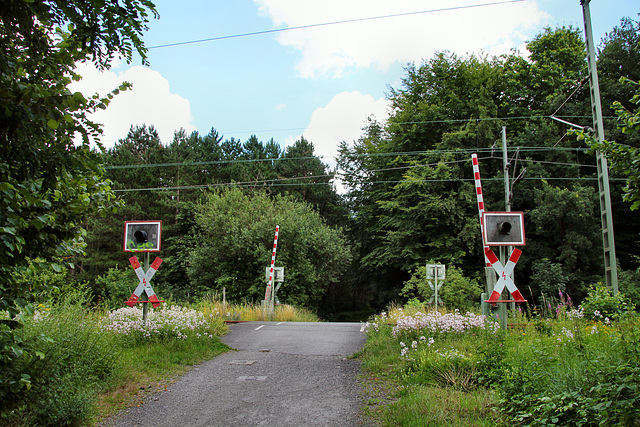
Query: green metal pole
point(145, 305)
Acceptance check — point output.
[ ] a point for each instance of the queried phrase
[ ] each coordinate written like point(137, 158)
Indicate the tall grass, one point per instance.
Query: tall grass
point(452, 370)
point(76, 362)
point(212, 306)
point(437, 406)
point(93, 363)
point(430, 357)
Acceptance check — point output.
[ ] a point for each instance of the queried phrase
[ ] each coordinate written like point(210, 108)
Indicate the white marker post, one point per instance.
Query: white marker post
point(435, 272)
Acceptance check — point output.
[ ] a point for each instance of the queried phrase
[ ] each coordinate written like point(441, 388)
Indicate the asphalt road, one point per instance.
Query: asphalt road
point(282, 374)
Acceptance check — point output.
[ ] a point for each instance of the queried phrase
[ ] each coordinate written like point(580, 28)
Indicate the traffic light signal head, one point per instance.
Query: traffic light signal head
point(503, 229)
point(142, 236)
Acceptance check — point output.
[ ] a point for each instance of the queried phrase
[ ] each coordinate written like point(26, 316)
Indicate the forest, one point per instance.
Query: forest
point(409, 194)
point(354, 238)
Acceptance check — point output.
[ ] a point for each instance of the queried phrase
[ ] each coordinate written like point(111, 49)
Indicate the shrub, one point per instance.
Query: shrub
point(629, 284)
point(581, 374)
point(439, 347)
point(565, 370)
point(76, 361)
point(549, 276)
point(600, 304)
point(115, 287)
point(438, 323)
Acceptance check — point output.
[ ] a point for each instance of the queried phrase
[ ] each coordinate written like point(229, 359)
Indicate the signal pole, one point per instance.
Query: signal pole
point(606, 215)
point(505, 251)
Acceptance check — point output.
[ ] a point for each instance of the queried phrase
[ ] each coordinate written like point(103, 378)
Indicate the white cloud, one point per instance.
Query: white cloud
point(150, 102)
point(342, 119)
point(335, 49)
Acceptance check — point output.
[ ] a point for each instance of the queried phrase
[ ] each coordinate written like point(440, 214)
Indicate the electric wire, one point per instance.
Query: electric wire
point(324, 24)
point(415, 181)
point(387, 154)
point(423, 122)
point(205, 163)
point(278, 182)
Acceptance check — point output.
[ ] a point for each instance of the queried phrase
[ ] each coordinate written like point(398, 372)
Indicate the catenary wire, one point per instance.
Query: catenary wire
point(389, 154)
point(282, 181)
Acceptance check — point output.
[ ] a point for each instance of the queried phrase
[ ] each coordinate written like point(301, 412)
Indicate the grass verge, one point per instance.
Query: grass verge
point(149, 369)
point(392, 398)
point(449, 369)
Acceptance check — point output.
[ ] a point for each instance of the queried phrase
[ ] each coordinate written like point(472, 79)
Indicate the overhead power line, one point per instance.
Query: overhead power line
point(389, 154)
point(426, 122)
point(205, 163)
point(279, 182)
point(297, 184)
point(324, 24)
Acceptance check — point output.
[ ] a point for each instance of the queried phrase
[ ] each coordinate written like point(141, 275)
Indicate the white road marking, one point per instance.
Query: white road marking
point(259, 327)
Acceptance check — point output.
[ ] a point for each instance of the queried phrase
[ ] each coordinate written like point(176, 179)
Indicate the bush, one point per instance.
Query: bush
point(549, 276)
point(167, 322)
point(563, 371)
point(581, 374)
point(76, 361)
point(600, 304)
point(629, 284)
point(115, 287)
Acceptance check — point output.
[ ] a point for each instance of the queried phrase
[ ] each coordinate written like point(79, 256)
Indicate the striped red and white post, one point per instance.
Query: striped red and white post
point(476, 177)
point(267, 295)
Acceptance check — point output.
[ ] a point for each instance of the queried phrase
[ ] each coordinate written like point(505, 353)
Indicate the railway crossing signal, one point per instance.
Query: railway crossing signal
point(503, 229)
point(504, 276)
point(268, 300)
point(144, 286)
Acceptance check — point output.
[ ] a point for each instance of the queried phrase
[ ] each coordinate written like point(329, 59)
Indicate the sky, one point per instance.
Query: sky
point(321, 82)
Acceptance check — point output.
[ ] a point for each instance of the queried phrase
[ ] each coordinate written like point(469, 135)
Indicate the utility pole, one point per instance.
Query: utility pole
point(505, 163)
point(606, 215)
point(505, 251)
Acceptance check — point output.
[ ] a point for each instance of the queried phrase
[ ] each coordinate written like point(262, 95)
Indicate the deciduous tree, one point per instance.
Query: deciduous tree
point(51, 184)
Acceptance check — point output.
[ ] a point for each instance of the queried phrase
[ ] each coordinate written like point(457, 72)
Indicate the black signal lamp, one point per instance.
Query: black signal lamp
point(141, 236)
point(504, 227)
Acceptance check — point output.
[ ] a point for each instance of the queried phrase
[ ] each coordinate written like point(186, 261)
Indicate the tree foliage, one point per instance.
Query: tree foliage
point(234, 239)
point(50, 184)
point(457, 292)
point(624, 158)
point(410, 179)
point(169, 183)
